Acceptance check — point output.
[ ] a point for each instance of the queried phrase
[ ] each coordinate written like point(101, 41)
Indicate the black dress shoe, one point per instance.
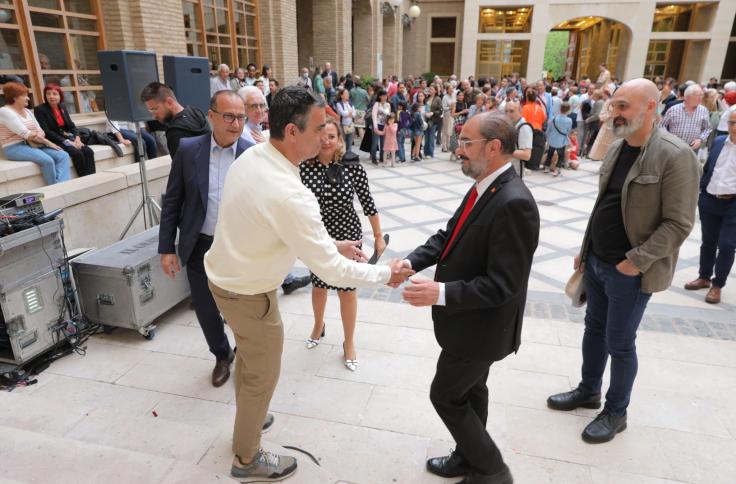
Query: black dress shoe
point(452, 465)
point(604, 428)
point(501, 477)
point(574, 399)
point(221, 372)
point(296, 283)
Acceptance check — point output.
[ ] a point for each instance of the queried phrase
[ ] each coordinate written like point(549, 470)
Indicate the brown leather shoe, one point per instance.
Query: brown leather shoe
point(697, 284)
point(713, 296)
point(221, 372)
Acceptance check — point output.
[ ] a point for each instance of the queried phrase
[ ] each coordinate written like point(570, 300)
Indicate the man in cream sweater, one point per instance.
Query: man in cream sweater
point(267, 219)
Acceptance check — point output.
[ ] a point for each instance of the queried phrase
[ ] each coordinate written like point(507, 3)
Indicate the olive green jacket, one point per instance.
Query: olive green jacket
point(658, 202)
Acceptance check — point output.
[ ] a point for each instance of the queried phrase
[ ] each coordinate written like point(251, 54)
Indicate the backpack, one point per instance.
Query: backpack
point(585, 108)
point(538, 143)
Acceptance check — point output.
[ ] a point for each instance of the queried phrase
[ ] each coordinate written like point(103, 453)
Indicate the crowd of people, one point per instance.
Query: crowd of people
point(269, 175)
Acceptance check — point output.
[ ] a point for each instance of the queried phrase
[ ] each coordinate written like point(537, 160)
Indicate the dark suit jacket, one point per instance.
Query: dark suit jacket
point(485, 272)
point(185, 201)
point(713, 154)
point(50, 127)
point(333, 75)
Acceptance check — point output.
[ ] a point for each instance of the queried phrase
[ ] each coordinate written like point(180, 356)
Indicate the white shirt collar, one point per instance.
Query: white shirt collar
point(483, 185)
point(233, 147)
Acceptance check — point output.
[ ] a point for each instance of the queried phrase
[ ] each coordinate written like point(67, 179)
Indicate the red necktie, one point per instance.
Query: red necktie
point(466, 211)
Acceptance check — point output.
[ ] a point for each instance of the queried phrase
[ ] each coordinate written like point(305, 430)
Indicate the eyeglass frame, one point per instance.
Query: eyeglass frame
point(240, 117)
point(463, 143)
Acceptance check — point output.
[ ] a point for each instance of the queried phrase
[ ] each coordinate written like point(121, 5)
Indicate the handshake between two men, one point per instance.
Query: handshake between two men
point(421, 292)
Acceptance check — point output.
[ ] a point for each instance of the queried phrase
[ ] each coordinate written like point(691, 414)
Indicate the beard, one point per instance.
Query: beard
point(623, 127)
point(474, 168)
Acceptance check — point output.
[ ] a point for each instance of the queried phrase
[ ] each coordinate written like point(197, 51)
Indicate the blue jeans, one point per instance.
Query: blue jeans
point(615, 308)
point(55, 164)
point(400, 138)
point(148, 140)
point(348, 140)
point(377, 144)
point(429, 141)
point(718, 225)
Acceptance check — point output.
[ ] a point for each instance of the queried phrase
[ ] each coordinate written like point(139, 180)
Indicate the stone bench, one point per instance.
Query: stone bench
point(97, 207)
point(24, 176)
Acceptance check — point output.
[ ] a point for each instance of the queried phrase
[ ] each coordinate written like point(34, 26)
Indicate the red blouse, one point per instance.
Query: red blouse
point(59, 117)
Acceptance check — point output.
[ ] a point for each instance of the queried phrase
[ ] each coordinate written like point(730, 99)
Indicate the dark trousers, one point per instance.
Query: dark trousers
point(377, 144)
point(560, 156)
point(205, 308)
point(83, 159)
point(591, 132)
point(400, 139)
point(614, 311)
point(460, 397)
point(148, 140)
point(429, 141)
point(718, 224)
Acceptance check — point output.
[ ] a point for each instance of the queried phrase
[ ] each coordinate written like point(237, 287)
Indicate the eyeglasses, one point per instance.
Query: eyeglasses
point(464, 143)
point(230, 117)
point(256, 106)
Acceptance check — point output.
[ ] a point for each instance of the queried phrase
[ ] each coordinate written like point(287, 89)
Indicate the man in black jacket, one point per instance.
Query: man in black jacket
point(180, 121)
point(483, 260)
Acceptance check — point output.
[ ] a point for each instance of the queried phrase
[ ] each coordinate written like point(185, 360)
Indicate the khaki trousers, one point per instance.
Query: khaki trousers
point(259, 337)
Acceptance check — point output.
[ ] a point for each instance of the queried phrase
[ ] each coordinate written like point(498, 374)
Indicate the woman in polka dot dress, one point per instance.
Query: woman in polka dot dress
point(335, 184)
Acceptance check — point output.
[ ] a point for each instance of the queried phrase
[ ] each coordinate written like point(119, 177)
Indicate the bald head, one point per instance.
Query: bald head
point(645, 89)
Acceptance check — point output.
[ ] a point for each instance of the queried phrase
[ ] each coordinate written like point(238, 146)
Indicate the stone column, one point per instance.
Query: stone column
point(364, 36)
point(279, 38)
point(719, 40)
point(641, 28)
point(129, 25)
point(332, 33)
point(540, 29)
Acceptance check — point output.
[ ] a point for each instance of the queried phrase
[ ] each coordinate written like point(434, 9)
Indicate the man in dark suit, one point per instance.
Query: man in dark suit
point(483, 260)
point(717, 208)
point(333, 75)
point(191, 203)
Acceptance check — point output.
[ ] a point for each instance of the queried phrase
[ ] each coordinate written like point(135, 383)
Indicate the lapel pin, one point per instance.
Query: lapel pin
point(493, 190)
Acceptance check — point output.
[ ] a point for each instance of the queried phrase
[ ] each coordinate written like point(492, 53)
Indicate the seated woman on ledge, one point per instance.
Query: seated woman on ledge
point(54, 119)
point(23, 139)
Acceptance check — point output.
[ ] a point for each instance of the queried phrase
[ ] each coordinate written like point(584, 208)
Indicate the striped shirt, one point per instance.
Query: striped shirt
point(688, 126)
point(15, 128)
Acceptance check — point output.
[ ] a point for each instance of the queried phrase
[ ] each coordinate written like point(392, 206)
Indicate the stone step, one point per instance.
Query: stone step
point(80, 443)
point(23, 176)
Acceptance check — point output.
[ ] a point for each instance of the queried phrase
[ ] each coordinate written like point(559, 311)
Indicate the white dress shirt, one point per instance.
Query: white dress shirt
point(248, 130)
point(267, 219)
point(220, 161)
point(723, 179)
point(481, 187)
point(217, 85)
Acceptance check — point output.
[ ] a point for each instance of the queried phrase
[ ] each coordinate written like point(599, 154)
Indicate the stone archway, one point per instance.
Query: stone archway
point(363, 37)
point(585, 43)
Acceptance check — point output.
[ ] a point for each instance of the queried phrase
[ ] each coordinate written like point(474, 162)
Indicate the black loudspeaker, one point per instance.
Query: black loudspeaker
point(189, 77)
point(124, 75)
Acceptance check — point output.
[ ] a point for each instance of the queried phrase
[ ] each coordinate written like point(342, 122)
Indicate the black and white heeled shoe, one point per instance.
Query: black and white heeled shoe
point(313, 343)
point(351, 365)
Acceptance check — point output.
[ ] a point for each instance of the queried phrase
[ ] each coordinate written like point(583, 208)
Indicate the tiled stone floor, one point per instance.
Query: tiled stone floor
point(90, 419)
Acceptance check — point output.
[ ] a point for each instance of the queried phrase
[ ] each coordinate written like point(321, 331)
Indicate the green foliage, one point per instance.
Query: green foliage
point(554, 53)
point(429, 77)
point(367, 81)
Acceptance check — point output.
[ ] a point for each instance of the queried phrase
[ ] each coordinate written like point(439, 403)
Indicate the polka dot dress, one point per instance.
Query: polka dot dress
point(336, 203)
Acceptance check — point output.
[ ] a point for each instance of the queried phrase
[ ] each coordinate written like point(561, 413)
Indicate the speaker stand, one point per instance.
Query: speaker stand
point(151, 209)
